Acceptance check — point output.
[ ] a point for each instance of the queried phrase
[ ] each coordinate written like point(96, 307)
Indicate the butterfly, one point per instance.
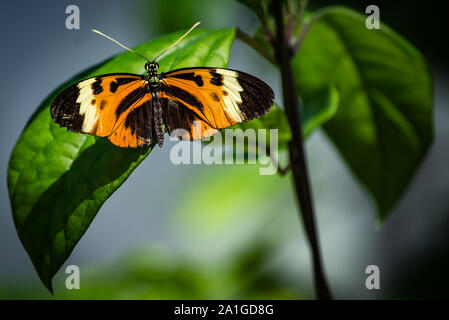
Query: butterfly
point(133, 110)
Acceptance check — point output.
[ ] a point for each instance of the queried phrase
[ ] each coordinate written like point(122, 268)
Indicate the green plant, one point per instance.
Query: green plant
point(370, 90)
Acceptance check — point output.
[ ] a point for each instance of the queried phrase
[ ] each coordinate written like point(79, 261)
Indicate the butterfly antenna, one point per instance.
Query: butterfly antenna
point(177, 41)
point(121, 45)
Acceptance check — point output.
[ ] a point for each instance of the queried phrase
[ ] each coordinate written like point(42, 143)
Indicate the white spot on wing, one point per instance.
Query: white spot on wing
point(86, 109)
point(232, 100)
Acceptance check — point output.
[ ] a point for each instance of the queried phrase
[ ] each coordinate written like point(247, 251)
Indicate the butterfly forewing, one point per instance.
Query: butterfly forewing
point(114, 106)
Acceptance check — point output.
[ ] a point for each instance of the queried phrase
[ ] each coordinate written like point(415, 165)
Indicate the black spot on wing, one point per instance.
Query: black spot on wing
point(129, 100)
point(214, 96)
point(65, 110)
point(183, 95)
point(113, 86)
point(217, 79)
point(96, 86)
point(190, 76)
point(119, 82)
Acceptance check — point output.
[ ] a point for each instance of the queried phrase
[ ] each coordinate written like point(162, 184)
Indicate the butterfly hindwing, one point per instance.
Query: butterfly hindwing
point(182, 122)
point(116, 106)
point(219, 97)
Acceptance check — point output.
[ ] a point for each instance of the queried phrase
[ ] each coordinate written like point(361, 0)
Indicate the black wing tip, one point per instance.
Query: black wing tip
point(257, 97)
point(65, 110)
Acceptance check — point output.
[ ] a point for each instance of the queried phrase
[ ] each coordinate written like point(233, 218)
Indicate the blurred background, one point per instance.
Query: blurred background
point(232, 233)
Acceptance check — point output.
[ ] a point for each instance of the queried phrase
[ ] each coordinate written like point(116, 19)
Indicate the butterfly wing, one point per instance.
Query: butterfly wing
point(199, 100)
point(215, 98)
point(116, 106)
point(182, 122)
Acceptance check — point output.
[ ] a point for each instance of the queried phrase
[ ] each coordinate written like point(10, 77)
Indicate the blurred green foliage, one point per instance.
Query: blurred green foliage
point(384, 124)
point(155, 274)
point(212, 265)
point(383, 127)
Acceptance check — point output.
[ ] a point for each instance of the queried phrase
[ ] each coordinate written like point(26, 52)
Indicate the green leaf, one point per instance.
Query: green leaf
point(383, 127)
point(317, 109)
point(58, 180)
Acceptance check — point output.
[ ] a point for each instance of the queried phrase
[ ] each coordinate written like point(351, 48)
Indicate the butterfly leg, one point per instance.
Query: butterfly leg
point(158, 127)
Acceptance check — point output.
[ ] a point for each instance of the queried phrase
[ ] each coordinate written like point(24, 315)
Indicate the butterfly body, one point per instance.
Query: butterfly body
point(133, 110)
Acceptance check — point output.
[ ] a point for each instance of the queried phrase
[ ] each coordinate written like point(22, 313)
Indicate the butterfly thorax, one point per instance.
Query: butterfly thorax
point(153, 77)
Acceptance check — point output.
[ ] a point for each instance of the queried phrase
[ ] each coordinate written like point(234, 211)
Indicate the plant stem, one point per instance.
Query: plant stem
point(281, 171)
point(297, 151)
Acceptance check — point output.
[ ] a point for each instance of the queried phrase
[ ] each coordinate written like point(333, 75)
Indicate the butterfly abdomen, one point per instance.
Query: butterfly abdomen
point(158, 121)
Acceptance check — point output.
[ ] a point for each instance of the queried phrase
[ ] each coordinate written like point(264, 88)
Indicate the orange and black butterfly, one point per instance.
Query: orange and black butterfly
point(132, 110)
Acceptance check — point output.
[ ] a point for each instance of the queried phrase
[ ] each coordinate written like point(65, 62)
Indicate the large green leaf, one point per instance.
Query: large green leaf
point(383, 126)
point(58, 180)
